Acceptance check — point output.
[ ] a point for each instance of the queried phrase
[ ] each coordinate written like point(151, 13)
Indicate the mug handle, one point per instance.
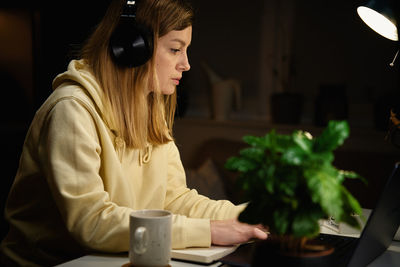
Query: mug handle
point(141, 240)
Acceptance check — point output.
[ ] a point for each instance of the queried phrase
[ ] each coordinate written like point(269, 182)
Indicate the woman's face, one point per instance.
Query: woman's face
point(171, 58)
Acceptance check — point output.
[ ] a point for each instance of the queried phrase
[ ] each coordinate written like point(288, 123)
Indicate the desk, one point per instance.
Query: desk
point(110, 260)
point(388, 259)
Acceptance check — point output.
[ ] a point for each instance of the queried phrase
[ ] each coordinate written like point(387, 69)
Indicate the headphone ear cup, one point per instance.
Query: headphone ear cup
point(130, 44)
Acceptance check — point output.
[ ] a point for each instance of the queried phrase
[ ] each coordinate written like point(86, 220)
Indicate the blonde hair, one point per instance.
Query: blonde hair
point(138, 116)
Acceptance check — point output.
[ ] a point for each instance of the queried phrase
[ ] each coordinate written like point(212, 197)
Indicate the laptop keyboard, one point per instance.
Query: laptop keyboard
point(344, 246)
point(337, 241)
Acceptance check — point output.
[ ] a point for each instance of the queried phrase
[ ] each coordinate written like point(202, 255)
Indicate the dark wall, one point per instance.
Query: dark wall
point(331, 47)
point(37, 41)
point(60, 30)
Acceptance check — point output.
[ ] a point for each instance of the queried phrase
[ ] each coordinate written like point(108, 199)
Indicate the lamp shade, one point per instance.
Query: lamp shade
point(379, 16)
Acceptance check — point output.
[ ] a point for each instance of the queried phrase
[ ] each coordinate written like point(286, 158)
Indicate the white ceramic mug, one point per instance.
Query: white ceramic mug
point(150, 238)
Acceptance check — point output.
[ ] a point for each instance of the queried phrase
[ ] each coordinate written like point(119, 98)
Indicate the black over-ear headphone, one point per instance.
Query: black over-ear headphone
point(131, 44)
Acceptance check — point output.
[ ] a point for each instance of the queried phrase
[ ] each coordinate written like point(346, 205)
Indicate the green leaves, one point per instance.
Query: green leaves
point(332, 137)
point(305, 223)
point(241, 164)
point(325, 189)
point(281, 220)
point(291, 183)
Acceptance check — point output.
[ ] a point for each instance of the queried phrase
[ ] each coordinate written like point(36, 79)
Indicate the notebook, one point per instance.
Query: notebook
point(375, 238)
point(202, 255)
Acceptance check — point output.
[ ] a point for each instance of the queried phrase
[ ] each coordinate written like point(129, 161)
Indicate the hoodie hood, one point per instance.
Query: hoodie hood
point(79, 72)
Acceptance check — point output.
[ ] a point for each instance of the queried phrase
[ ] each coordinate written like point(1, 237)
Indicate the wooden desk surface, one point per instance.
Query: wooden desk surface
point(388, 259)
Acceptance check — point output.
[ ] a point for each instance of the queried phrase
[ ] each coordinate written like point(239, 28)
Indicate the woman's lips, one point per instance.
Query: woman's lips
point(176, 81)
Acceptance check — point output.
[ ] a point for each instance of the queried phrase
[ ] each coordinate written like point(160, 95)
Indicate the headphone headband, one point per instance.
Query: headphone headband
point(131, 43)
point(129, 10)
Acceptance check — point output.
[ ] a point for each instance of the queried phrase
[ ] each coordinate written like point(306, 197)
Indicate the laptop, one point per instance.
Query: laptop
point(375, 238)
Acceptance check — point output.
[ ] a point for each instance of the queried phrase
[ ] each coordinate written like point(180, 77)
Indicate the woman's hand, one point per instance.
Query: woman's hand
point(232, 232)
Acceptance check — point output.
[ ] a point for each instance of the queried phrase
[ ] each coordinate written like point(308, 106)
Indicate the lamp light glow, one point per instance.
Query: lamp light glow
point(376, 19)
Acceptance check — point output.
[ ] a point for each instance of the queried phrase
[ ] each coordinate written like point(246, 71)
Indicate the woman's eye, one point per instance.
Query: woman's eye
point(173, 50)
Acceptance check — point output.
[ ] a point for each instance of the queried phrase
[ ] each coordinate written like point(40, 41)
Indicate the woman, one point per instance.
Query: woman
point(101, 146)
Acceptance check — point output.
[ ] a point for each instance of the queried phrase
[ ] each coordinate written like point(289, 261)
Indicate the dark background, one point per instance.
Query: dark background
point(332, 51)
point(37, 40)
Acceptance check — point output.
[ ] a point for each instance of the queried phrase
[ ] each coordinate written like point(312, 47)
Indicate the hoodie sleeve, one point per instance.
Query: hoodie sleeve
point(69, 152)
point(191, 227)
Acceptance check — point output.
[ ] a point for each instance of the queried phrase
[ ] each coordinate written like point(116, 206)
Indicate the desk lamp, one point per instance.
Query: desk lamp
point(380, 16)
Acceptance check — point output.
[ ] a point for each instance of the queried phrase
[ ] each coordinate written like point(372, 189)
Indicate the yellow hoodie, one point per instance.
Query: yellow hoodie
point(77, 183)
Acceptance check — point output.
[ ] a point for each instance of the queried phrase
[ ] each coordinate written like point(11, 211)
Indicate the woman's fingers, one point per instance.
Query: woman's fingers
point(232, 232)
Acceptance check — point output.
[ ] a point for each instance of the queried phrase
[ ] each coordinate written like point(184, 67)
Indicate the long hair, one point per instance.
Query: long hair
point(139, 117)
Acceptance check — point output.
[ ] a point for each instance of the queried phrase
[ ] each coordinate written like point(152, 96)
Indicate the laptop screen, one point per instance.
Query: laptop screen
point(382, 224)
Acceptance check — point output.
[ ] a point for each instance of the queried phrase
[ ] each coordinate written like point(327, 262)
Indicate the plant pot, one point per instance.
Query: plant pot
point(317, 254)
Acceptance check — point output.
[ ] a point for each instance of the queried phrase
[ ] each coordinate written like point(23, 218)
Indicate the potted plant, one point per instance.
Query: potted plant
point(291, 184)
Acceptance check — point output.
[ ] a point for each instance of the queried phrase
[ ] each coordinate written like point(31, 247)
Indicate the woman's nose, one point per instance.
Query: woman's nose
point(184, 64)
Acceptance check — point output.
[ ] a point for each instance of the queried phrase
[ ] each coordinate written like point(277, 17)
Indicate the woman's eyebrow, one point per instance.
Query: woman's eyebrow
point(183, 43)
